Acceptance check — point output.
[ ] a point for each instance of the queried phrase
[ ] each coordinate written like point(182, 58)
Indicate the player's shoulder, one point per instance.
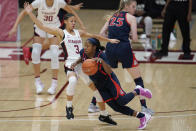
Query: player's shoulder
point(82, 51)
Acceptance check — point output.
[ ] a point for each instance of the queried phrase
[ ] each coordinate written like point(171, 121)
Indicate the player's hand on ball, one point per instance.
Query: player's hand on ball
point(98, 60)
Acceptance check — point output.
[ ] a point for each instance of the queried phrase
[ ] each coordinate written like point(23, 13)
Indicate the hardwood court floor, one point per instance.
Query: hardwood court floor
point(173, 87)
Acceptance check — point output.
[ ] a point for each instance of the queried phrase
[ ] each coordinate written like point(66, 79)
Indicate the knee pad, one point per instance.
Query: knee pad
point(71, 86)
point(36, 52)
point(54, 51)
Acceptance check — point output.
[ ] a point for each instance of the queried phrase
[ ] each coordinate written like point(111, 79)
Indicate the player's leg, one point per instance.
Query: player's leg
point(27, 51)
point(143, 117)
point(70, 90)
point(54, 51)
point(132, 67)
point(36, 52)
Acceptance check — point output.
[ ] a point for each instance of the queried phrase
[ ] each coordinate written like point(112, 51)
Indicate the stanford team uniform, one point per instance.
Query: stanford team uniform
point(47, 15)
point(119, 29)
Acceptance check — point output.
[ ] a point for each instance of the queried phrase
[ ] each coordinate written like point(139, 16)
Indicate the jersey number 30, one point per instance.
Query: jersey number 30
point(117, 22)
point(48, 18)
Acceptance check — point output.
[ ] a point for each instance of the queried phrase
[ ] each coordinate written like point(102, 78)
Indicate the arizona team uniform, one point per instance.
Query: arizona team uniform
point(119, 28)
point(47, 15)
point(109, 87)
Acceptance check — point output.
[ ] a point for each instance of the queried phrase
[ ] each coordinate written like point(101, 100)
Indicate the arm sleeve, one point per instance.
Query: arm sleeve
point(62, 3)
point(35, 4)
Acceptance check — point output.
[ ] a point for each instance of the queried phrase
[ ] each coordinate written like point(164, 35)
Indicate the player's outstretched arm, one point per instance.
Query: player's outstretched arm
point(18, 20)
point(56, 31)
point(99, 37)
point(77, 7)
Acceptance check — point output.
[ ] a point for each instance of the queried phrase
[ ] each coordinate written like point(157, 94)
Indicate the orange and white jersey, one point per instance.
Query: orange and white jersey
point(72, 45)
point(48, 15)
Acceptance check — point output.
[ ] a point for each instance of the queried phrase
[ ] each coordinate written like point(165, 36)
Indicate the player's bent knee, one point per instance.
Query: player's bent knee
point(36, 52)
point(71, 86)
point(54, 50)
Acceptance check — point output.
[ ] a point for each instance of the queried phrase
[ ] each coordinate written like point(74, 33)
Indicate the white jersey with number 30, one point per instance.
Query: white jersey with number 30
point(73, 45)
point(48, 15)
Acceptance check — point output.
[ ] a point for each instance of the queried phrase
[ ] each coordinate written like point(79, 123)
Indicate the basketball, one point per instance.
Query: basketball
point(89, 67)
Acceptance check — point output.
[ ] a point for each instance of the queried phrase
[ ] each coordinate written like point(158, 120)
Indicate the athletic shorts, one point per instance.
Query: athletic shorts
point(122, 53)
point(112, 90)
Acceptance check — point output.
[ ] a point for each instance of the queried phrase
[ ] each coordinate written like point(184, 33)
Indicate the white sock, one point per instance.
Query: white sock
point(104, 113)
point(54, 81)
point(37, 80)
point(69, 103)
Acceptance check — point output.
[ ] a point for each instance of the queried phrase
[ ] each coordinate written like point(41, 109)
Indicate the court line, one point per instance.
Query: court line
point(95, 119)
point(54, 99)
point(23, 75)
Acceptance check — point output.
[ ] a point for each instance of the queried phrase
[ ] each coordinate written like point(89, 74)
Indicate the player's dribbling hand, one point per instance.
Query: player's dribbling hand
point(115, 41)
point(73, 65)
point(27, 7)
point(98, 60)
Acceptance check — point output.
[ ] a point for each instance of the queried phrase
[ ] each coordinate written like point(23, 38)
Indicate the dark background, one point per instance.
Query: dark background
point(97, 4)
point(88, 4)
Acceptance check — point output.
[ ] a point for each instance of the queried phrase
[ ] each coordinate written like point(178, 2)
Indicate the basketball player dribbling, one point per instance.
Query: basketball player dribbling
point(108, 85)
point(47, 14)
point(72, 44)
point(120, 26)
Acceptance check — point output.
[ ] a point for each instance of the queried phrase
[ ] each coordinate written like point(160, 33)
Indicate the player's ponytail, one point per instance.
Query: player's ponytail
point(122, 5)
point(96, 42)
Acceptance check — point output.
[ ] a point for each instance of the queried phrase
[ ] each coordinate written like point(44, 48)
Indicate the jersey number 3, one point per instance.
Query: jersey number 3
point(77, 49)
point(117, 22)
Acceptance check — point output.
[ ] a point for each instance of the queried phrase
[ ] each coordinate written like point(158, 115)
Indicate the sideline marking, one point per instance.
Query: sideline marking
point(95, 119)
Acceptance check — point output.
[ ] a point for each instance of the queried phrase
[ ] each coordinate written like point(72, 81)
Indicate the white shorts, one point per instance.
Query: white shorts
point(41, 33)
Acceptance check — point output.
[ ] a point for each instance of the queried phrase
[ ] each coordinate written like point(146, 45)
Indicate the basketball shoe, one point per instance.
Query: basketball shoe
point(144, 121)
point(107, 119)
point(93, 108)
point(26, 54)
point(52, 89)
point(144, 92)
point(69, 111)
point(39, 87)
